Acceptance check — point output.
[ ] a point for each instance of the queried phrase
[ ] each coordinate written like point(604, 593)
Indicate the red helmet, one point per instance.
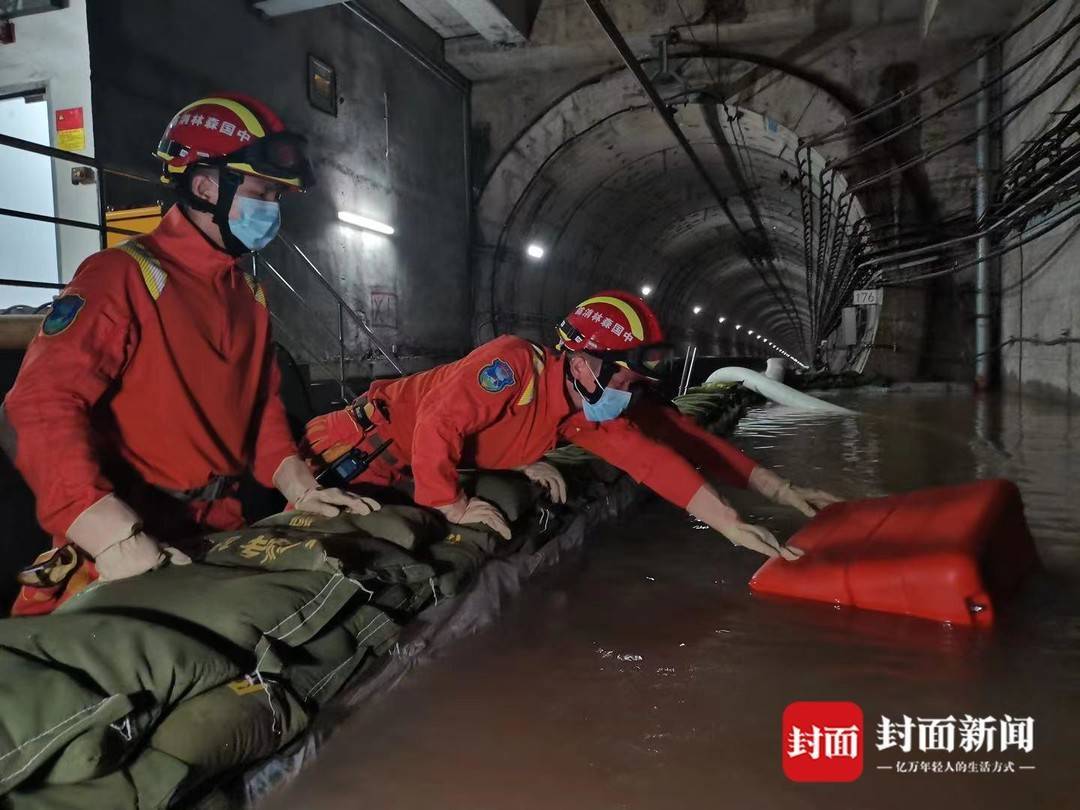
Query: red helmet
point(618, 327)
point(237, 132)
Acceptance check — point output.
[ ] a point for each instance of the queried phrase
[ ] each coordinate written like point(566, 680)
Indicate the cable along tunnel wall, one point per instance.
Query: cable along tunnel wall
point(600, 182)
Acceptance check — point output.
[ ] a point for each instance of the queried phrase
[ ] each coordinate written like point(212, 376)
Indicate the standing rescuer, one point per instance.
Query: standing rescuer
point(510, 401)
point(153, 384)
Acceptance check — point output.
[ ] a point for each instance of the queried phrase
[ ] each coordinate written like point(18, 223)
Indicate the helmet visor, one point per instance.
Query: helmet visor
point(647, 361)
point(279, 156)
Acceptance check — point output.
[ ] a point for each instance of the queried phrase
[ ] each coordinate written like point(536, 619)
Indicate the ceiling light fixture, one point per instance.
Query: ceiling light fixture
point(646, 290)
point(534, 251)
point(697, 310)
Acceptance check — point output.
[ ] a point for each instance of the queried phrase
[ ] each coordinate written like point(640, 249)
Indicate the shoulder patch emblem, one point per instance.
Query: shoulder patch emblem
point(65, 310)
point(496, 377)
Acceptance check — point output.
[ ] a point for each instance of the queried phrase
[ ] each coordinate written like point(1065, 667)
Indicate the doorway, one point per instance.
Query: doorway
point(28, 249)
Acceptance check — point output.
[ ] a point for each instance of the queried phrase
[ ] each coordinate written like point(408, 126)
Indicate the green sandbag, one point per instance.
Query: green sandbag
point(406, 526)
point(291, 548)
point(91, 682)
point(460, 561)
point(368, 630)
point(231, 725)
point(511, 491)
point(68, 677)
point(147, 783)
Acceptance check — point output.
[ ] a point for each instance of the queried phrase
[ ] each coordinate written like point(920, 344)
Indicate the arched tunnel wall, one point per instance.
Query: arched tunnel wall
point(596, 178)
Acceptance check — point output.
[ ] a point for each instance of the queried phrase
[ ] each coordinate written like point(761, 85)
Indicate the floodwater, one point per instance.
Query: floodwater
point(645, 676)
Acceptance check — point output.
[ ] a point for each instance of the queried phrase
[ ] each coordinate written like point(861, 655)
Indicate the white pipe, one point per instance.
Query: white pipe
point(775, 368)
point(772, 390)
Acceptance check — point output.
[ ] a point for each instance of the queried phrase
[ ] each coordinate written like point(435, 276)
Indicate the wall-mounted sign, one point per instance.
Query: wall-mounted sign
point(867, 298)
point(384, 308)
point(70, 132)
point(20, 8)
point(322, 85)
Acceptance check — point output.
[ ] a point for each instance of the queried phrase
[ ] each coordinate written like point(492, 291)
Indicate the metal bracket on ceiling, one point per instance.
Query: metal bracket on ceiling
point(665, 79)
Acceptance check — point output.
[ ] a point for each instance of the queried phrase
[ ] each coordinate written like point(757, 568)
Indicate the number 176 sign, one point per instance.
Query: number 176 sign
point(866, 298)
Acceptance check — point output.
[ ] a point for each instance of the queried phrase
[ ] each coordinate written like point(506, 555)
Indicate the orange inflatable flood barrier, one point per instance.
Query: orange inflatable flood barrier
point(943, 554)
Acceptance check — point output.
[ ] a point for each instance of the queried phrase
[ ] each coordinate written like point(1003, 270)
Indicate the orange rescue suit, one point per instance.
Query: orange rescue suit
point(166, 372)
point(505, 404)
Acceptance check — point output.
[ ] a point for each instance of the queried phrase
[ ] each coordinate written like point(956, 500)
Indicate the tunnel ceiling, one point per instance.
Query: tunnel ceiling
point(616, 202)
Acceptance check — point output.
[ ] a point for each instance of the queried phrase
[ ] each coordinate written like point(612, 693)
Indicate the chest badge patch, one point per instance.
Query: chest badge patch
point(496, 377)
point(65, 310)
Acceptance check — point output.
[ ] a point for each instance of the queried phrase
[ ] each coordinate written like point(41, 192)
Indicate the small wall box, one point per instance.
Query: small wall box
point(322, 85)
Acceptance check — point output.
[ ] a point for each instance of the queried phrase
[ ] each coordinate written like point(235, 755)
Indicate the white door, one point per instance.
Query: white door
point(28, 249)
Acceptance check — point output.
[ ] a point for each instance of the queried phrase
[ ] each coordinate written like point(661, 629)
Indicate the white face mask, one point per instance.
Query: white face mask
point(257, 224)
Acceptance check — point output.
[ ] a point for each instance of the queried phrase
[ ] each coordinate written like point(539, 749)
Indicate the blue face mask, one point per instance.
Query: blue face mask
point(258, 222)
point(610, 405)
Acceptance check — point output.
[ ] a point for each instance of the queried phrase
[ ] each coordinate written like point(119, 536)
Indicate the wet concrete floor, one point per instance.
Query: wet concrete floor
point(645, 676)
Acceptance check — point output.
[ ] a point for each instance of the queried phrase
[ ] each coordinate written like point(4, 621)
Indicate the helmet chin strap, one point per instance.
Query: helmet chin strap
point(607, 371)
point(228, 182)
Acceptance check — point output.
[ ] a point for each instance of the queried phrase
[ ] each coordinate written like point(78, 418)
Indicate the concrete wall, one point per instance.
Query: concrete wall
point(1040, 292)
point(395, 153)
point(51, 50)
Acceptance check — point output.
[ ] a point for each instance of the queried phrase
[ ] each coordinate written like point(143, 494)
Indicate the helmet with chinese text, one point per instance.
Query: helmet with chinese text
point(617, 327)
point(237, 132)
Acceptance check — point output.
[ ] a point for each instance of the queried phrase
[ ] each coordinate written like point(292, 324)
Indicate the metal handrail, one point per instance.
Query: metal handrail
point(82, 160)
point(37, 285)
point(346, 392)
point(74, 223)
point(48, 151)
point(71, 157)
point(344, 309)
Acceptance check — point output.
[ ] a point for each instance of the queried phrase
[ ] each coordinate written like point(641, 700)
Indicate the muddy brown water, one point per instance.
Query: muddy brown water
point(644, 675)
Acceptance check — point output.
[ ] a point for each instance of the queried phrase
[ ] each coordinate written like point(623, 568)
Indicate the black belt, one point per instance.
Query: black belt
point(217, 488)
point(362, 408)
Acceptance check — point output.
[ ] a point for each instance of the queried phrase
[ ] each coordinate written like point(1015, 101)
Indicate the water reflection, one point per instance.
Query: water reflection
point(901, 442)
point(647, 677)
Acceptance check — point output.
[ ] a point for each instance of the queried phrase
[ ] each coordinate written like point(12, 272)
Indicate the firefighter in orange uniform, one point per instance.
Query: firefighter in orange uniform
point(152, 384)
point(510, 401)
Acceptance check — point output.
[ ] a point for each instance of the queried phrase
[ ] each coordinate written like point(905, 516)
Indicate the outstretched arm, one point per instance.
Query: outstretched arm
point(722, 461)
point(715, 456)
point(668, 474)
point(710, 508)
